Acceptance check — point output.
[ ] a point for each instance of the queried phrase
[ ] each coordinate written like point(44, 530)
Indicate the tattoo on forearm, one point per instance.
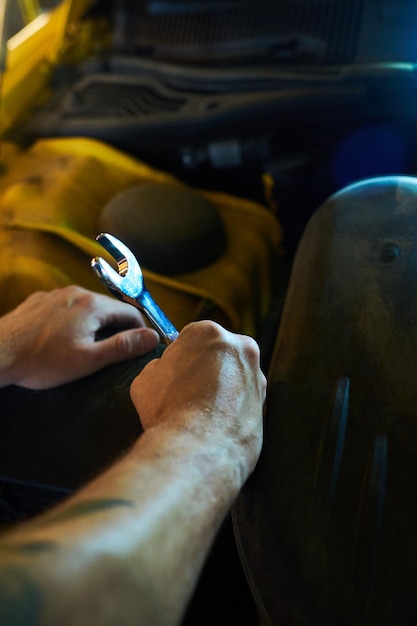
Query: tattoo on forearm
point(80, 509)
point(20, 598)
point(87, 507)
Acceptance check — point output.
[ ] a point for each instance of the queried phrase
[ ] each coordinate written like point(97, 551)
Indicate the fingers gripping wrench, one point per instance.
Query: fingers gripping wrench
point(128, 285)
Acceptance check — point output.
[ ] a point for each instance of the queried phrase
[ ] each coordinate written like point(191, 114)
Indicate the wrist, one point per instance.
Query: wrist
point(197, 457)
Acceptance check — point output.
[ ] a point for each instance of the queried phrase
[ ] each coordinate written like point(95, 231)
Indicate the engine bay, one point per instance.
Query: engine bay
point(116, 110)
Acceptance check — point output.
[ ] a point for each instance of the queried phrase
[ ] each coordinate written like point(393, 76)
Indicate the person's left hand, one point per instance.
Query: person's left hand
point(58, 336)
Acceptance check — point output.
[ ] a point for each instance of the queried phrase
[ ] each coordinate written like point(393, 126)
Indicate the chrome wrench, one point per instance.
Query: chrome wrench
point(127, 284)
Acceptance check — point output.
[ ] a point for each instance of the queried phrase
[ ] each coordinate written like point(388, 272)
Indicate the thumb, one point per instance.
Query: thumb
point(127, 344)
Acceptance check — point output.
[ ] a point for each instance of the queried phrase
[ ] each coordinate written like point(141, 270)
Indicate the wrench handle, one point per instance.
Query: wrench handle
point(156, 317)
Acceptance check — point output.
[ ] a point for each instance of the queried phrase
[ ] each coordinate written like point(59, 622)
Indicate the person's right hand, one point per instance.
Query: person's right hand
point(207, 383)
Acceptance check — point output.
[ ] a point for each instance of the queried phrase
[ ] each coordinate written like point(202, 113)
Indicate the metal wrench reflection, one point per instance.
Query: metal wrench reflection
point(128, 285)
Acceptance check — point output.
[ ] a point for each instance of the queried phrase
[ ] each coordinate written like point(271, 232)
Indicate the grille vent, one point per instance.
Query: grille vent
point(260, 30)
point(97, 97)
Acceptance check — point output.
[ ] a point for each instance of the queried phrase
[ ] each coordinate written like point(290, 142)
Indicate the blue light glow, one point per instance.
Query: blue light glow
point(367, 152)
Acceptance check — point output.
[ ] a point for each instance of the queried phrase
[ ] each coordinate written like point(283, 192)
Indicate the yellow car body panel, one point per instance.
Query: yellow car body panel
point(51, 198)
point(31, 55)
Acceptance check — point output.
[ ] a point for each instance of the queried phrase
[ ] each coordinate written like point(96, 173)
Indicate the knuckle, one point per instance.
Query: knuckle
point(77, 295)
point(251, 348)
point(206, 329)
point(123, 345)
point(212, 329)
point(36, 295)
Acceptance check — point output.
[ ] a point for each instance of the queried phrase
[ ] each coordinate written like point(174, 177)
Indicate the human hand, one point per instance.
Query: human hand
point(58, 336)
point(208, 382)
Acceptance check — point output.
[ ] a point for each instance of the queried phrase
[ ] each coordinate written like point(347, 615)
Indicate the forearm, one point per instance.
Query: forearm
point(129, 548)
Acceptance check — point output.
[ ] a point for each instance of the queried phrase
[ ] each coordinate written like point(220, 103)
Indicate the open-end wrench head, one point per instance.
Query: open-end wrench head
point(127, 284)
point(108, 276)
point(128, 280)
point(119, 251)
